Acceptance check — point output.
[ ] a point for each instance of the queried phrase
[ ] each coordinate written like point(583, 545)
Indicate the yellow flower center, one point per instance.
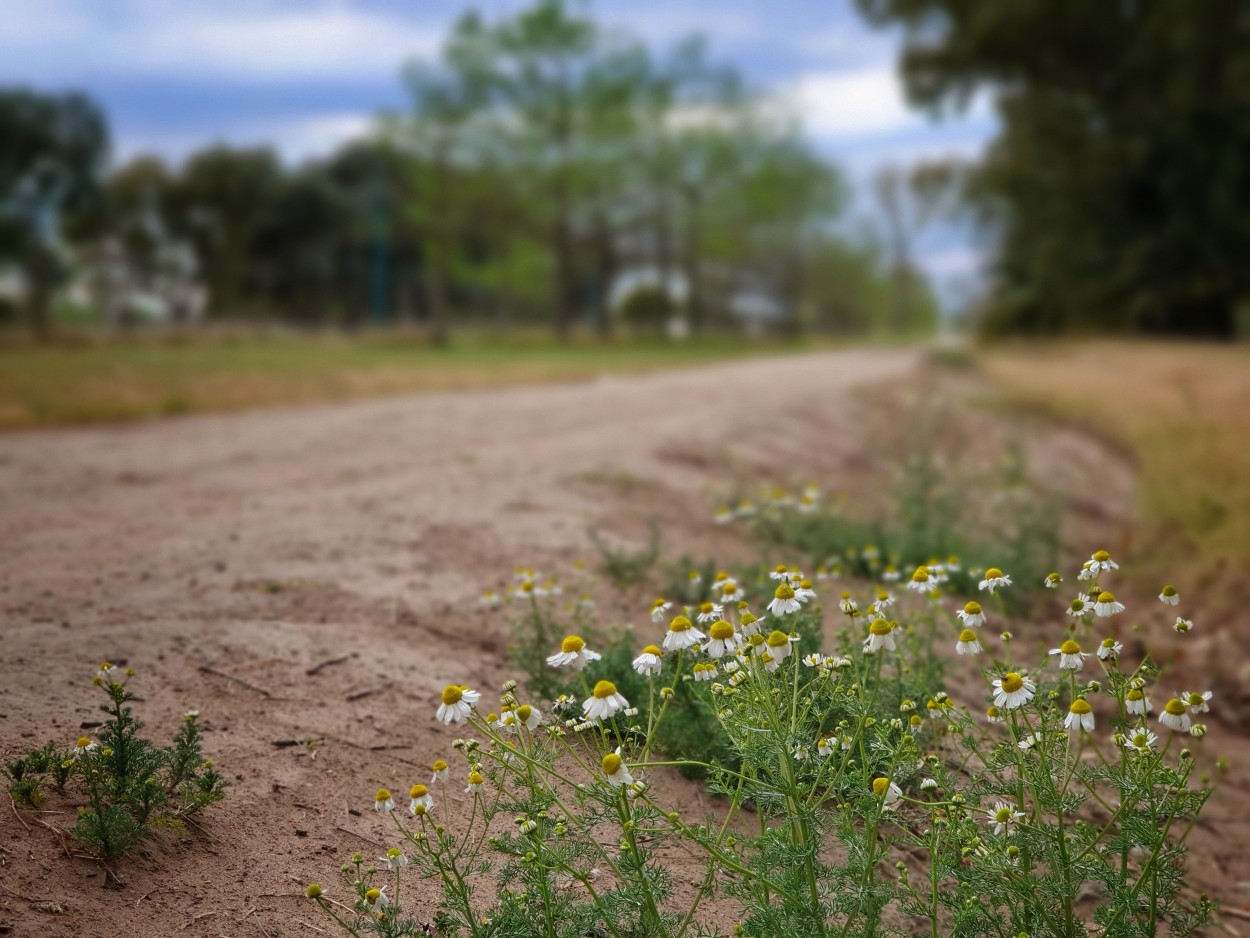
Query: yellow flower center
point(1070, 648)
point(784, 592)
point(1194, 698)
point(313, 891)
point(1169, 590)
point(921, 575)
point(523, 712)
point(915, 720)
point(1012, 682)
point(440, 765)
point(880, 627)
point(993, 573)
point(992, 712)
point(1140, 740)
point(83, 742)
point(1003, 815)
point(1080, 707)
point(658, 603)
point(604, 690)
point(879, 786)
point(727, 589)
point(1106, 598)
point(382, 795)
point(780, 568)
point(1101, 556)
point(611, 763)
point(1174, 707)
point(967, 635)
point(1078, 604)
point(748, 619)
point(705, 608)
point(721, 630)
point(1052, 578)
point(572, 643)
point(452, 694)
point(373, 895)
point(1135, 694)
point(679, 624)
point(653, 650)
point(778, 639)
point(418, 791)
point(475, 779)
point(972, 609)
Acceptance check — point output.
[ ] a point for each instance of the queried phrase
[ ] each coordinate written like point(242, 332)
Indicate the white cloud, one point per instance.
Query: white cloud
point(295, 139)
point(851, 103)
point(71, 40)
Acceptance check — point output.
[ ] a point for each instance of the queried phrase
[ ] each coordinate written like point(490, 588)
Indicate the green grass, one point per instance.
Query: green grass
point(86, 380)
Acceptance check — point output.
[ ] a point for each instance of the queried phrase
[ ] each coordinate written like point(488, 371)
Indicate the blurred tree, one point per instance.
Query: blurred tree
point(1119, 181)
point(51, 164)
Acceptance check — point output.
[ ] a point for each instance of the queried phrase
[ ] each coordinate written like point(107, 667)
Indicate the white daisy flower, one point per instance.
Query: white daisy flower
point(1003, 817)
point(1030, 741)
point(709, 612)
point(813, 660)
point(419, 796)
point(490, 599)
point(1080, 606)
point(107, 674)
point(648, 663)
point(395, 859)
point(783, 601)
point(880, 636)
point(1141, 740)
point(848, 605)
point(973, 615)
point(1168, 595)
point(994, 580)
point(1070, 655)
point(1106, 605)
point(748, 623)
point(475, 783)
point(928, 784)
point(382, 801)
point(604, 702)
point(615, 770)
point(746, 509)
point(887, 791)
point(573, 654)
point(458, 703)
point(1136, 702)
point(779, 644)
point(1196, 702)
point(826, 745)
point(659, 608)
point(730, 592)
point(968, 644)
point(885, 599)
point(85, 745)
point(376, 899)
point(1109, 648)
point(800, 752)
point(1181, 626)
point(1081, 715)
point(994, 715)
point(780, 572)
point(1052, 581)
point(528, 717)
point(681, 634)
point(724, 514)
point(922, 581)
point(1101, 562)
point(440, 771)
point(722, 640)
point(804, 592)
point(1013, 690)
point(1175, 716)
point(704, 671)
point(1087, 571)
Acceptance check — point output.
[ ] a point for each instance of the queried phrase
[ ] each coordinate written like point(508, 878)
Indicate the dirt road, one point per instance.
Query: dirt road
point(264, 543)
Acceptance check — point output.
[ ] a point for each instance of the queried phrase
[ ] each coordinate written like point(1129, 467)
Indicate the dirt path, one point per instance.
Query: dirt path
point(264, 543)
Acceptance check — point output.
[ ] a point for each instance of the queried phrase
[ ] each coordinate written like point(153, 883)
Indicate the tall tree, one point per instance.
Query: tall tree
point(1118, 183)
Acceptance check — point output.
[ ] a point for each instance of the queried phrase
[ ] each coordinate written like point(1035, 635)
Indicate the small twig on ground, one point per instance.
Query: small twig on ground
point(362, 837)
point(196, 918)
point(206, 669)
point(325, 664)
point(383, 747)
point(1235, 912)
point(369, 691)
point(60, 835)
point(18, 816)
point(144, 896)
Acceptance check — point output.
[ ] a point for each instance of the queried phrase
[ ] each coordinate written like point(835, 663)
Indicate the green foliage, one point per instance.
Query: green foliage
point(625, 567)
point(131, 785)
point(647, 309)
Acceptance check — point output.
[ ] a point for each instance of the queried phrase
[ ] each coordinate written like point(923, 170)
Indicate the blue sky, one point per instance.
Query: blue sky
point(305, 75)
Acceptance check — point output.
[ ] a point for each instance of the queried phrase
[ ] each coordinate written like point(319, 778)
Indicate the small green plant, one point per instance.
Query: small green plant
point(131, 786)
point(628, 568)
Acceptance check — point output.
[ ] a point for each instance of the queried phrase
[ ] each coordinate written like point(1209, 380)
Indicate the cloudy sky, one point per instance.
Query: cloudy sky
point(304, 75)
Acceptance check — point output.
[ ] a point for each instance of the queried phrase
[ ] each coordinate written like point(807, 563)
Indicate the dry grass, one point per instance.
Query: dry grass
point(1183, 412)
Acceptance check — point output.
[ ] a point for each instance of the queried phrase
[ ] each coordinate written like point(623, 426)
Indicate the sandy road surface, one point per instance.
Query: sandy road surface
point(263, 543)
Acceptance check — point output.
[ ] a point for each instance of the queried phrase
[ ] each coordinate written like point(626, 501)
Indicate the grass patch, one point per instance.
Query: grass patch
point(1180, 410)
point(85, 380)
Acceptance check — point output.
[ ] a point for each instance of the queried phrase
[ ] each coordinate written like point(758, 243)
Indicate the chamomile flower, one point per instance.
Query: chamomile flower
point(722, 640)
point(1101, 562)
point(419, 796)
point(490, 599)
point(1195, 702)
point(780, 572)
point(1181, 626)
point(382, 801)
point(376, 899)
point(475, 783)
point(85, 745)
point(848, 605)
point(724, 515)
point(1175, 716)
point(1109, 648)
point(973, 615)
point(649, 662)
point(994, 715)
point(1003, 817)
point(573, 654)
point(890, 574)
point(779, 645)
point(1136, 702)
point(968, 644)
point(704, 671)
point(458, 703)
point(528, 717)
point(1141, 740)
point(1106, 605)
point(1080, 606)
point(659, 608)
point(1013, 690)
point(730, 591)
point(1052, 581)
point(814, 660)
point(106, 674)
point(783, 601)
point(994, 580)
point(826, 745)
point(887, 791)
point(395, 859)
point(1080, 715)
point(880, 636)
point(709, 612)
point(604, 702)
point(885, 599)
point(615, 770)
point(440, 771)
point(928, 784)
point(803, 592)
point(1070, 655)
point(1030, 742)
point(681, 634)
point(1168, 595)
point(922, 581)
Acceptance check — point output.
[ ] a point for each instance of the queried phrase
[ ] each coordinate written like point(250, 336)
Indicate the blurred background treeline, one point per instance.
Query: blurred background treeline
point(552, 172)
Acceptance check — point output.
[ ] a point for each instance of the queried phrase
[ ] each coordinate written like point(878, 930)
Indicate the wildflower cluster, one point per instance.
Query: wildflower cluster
point(1056, 812)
